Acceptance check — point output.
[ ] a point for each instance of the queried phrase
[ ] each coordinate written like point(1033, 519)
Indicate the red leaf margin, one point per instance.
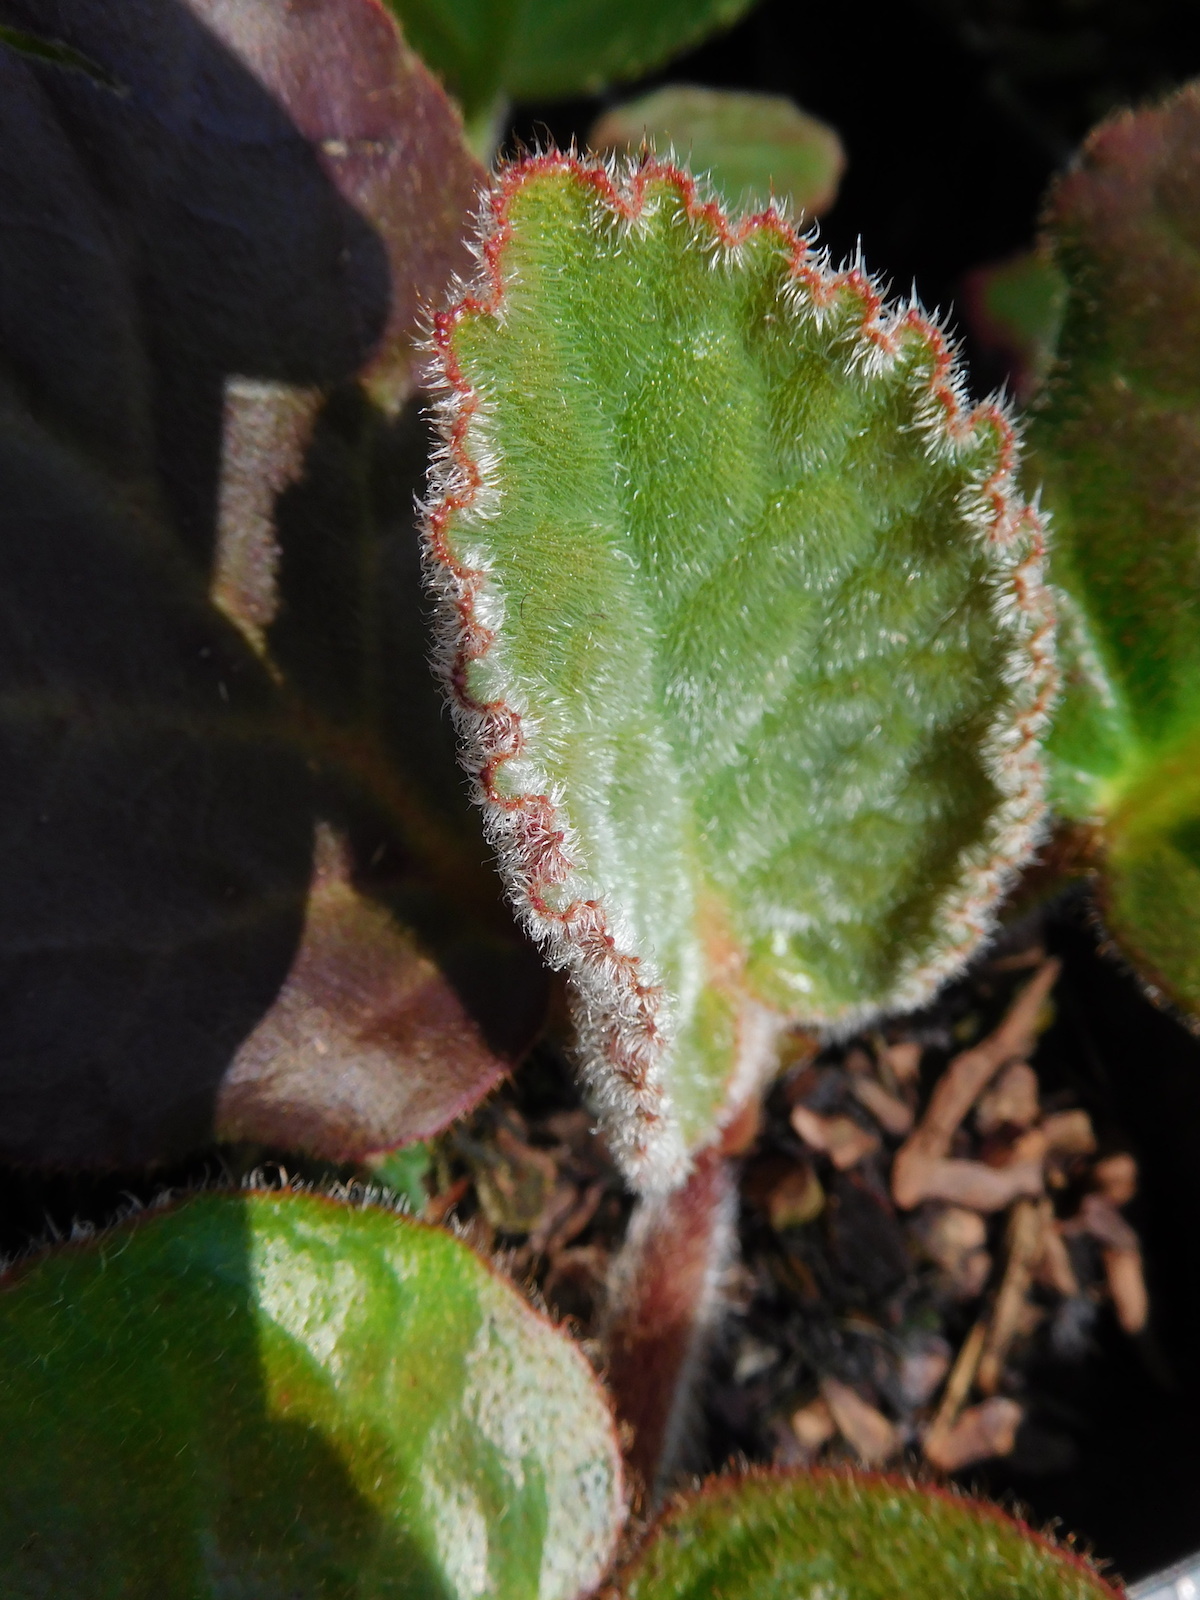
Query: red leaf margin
point(620, 1008)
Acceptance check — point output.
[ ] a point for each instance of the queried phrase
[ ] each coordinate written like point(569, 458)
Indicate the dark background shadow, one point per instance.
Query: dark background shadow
point(168, 227)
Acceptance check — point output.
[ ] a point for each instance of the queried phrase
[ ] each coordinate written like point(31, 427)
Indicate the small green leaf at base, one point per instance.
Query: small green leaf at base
point(744, 629)
point(285, 1396)
point(404, 1173)
point(827, 1536)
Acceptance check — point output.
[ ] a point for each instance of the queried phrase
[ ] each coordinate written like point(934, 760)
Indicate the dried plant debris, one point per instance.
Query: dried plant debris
point(922, 1221)
point(874, 1317)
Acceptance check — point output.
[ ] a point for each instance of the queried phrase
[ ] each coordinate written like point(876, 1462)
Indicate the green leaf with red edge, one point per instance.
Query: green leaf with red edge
point(753, 147)
point(213, 252)
point(485, 49)
point(773, 1536)
point(745, 632)
point(1117, 438)
point(289, 1396)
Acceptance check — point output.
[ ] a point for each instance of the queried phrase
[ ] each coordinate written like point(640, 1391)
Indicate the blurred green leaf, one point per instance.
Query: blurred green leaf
point(754, 147)
point(1016, 310)
point(1117, 437)
point(528, 50)
point(404, 1172)
point(776, 1536)
point(286, 1396)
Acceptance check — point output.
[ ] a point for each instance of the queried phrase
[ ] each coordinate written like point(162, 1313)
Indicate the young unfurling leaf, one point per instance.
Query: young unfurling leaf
point(745, 630)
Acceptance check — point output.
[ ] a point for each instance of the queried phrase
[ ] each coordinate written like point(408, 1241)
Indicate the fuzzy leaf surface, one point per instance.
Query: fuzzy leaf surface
point(745, 630)
point(285, 1395)
point(531, 51)
point(1117, 437)
point(754, 147)
point(776, 1536)
point(211, 648)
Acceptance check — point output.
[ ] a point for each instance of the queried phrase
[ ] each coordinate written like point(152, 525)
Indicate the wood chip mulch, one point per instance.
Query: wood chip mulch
point(923, 1222)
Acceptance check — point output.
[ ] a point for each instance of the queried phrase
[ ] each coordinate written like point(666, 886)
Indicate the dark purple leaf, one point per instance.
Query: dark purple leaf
point(215, 247)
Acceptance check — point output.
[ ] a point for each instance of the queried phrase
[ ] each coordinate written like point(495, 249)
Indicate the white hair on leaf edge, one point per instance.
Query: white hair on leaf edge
point(624, 1018)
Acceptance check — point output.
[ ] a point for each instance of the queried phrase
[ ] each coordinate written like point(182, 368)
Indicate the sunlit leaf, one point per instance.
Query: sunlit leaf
point(744, 627)
point(286, 1396)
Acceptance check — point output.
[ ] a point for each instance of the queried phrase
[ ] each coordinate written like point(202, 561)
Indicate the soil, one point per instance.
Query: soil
point(1106, 1446)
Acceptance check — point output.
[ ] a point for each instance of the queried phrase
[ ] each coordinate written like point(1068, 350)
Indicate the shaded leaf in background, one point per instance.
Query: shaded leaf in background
point(285, 1395)
point(750, 647)
point(1116, 436)
point(777, 1535)
point(246, 202)
point(525, 50)
point(408, 957)
point(366, 1037)
point(754, 147)
point(1015, 308)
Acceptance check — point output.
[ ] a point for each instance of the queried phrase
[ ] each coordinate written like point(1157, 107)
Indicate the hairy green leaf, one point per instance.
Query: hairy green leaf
point(287, 1396)
point(776, 1536)
point(532, 51)
point(745, 631)
point(754, 147)
point(1117, 437)
point(211, 653)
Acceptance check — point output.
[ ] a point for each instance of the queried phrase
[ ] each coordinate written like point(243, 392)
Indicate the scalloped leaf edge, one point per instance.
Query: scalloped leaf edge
point(622, 1031)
